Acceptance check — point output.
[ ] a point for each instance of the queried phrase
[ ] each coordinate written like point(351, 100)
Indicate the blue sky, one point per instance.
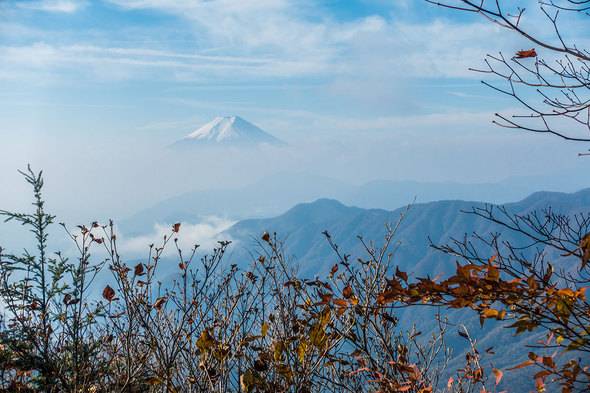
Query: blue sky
point(93, 91)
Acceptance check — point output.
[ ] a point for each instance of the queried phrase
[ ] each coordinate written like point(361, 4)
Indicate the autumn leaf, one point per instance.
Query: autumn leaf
point(206, 341)
point(400, 274)
point(497, 375)
point(248, 381)
point(521, 365)
point(347, 292)
point(266, 236)
point(176, 227)
point(159, 303)
point(108, 293)
point(340, 302)
point(264, 329)
point(139, 269)
point(334, 270)
point(522, 54)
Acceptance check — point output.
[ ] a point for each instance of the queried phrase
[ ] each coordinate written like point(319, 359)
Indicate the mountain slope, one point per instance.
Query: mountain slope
point(438, 221)
point(228, 131)
point(302, 226)
point(275, 194)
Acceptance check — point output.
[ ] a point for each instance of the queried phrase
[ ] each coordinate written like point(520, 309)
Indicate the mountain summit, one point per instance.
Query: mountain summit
point(228, 131)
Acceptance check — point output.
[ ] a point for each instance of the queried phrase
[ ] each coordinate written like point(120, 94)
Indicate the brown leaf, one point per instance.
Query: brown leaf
point(139, 269)
point(108, 293)
point(176, 227)
point(159, 303)
point(522, 54)
point(264, 329)
point(347, 292)
point(266, 236)
point(334, 269)
point(400, 274)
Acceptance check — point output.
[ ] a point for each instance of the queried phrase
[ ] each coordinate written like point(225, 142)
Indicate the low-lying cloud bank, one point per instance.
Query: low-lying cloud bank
point(206, 234)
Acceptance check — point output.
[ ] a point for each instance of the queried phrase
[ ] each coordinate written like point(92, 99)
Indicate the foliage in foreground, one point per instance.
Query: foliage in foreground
point(214, 328)
point(266, 329)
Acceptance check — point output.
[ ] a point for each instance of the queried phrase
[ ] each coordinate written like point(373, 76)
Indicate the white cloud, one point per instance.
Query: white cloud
point(206, 234)
point(64, 6)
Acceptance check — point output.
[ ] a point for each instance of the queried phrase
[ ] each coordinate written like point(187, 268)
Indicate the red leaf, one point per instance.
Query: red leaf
point(108, 293)
point(176, 227)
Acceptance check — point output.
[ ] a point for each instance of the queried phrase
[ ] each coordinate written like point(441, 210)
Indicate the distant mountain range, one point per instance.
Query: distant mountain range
point(303, 224)
point(273, 195)
point(225, 132)
point(302, 228)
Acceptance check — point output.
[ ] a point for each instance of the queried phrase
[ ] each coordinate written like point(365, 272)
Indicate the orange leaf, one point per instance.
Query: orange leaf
point(527, 363)
point(497, 375)
point(450, 382)
point(521, 54)
point(340, 302)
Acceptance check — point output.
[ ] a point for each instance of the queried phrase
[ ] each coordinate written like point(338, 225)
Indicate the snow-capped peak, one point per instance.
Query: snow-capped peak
point(230, 130)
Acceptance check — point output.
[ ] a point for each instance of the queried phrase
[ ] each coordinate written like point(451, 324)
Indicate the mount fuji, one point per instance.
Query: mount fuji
point(228, 131)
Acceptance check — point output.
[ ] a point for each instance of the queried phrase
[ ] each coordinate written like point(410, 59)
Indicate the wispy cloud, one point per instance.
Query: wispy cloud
point(64, 6)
